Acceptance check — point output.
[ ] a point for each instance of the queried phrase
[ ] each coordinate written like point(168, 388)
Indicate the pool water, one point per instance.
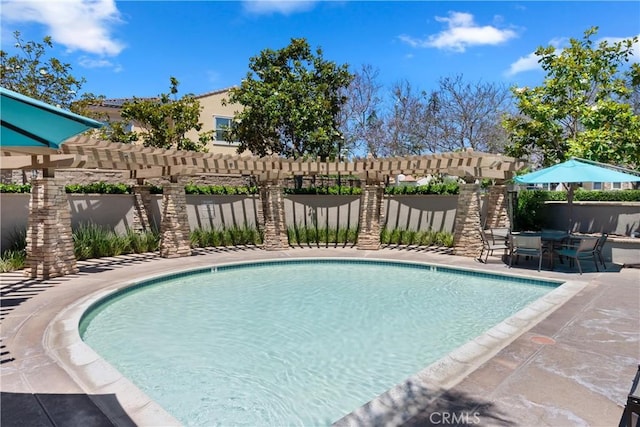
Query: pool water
point(301, 343)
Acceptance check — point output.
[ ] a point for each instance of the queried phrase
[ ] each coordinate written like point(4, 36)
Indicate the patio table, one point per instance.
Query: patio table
point(551, 240)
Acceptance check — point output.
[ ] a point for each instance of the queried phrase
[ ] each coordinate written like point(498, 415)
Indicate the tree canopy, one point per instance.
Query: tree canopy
point(165, 121)
point(454, 116)
point(292, 99)
point(34, 73)
point(358, 119)
point(583, 108)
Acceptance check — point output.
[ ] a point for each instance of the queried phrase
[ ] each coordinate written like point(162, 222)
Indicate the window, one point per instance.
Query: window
point(221, 125)
point(616, 185)
point(126, 127)
point(597, 186)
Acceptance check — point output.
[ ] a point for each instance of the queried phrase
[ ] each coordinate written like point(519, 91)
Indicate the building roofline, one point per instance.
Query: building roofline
point(117, 102)
point(215, 92)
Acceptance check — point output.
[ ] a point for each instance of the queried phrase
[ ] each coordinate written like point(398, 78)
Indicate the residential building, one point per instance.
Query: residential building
point(214, 116)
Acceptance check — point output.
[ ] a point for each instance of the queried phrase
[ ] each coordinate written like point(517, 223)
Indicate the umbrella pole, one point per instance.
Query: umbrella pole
point(570, 205)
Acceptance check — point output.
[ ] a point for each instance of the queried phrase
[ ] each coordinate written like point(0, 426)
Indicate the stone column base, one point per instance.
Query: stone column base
point(275, 229)
point(50, 249)
point(174, 228)
point(370, 217)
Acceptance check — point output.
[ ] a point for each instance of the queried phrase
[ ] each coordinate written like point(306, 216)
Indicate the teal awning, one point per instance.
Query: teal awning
point(27, 122)
point(575, 171)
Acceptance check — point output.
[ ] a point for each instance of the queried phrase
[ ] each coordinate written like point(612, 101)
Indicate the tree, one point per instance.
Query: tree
point(359, 122)
point(583, 108)
point(408, 124)
point(33, 73)
point(291, 101)
point(166, 120)
point(469, 115)
point(454, 117)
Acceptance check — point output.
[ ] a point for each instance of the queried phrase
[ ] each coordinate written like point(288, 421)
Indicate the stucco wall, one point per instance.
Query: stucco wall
point(14, 213)
point(596, 217)
point(421, 212)
point(222, 211)
point(322, 211)
point(115, 211)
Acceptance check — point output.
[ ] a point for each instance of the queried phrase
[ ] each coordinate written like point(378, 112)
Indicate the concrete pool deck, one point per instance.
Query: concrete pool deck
point(574, 366)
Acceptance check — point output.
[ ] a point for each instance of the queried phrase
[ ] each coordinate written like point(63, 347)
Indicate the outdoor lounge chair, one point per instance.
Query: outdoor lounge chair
point(584, 250)
point(525, 245)
point(490, 244)
point(601, 241)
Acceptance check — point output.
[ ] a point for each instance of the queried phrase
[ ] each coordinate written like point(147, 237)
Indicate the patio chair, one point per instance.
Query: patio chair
point(601, 241)
point(526, 245)
point(584, 250)
point(490, 244)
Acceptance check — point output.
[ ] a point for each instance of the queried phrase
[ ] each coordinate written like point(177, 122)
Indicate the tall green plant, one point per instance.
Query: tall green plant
point(530, 213)
point(165, 121)
point(302, 235)
point(231, 236)
point(291, 99)
point(583, 107)
point(398, 236)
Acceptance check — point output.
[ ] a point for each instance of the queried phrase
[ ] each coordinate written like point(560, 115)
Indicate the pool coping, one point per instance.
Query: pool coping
point(94, 375)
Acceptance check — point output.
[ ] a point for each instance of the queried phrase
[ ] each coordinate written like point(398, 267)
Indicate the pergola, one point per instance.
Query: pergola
point(49, 237)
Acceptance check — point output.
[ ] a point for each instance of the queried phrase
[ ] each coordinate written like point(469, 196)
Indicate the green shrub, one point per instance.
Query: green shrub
point(233, 236)
point(334, 190)
point(607, 196)
point(12, 260)
point(427, 238)
point(142, 242)
point(93, 241)
point(155, 189)
point(399, 236)
point(192, 188)
point(444, 239)
point(434, 187)
point(292, 235)
point(15, 256)
point(15, 188)
point(301, 235)
point(98, 188)
point(120, 188)
point(529, 213)
point(87, 239)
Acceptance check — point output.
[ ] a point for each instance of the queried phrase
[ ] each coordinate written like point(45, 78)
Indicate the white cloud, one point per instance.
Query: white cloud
point(285, 7)
point(530, 62)
point(88, 62)
point(83, 25)
point(462, 32)
point(525, 63)
point(635, 57)
point(559, 42)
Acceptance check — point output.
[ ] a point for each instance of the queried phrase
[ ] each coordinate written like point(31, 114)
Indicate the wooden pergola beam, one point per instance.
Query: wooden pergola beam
point(148, 162)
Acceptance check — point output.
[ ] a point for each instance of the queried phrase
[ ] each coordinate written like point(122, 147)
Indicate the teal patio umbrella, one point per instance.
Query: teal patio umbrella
point(32, 126)
point(576, 171)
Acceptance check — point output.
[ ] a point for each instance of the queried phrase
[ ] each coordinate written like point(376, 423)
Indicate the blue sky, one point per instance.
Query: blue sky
point(127, 48)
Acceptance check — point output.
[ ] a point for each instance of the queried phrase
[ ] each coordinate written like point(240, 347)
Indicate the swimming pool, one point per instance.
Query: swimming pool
point(300, 342)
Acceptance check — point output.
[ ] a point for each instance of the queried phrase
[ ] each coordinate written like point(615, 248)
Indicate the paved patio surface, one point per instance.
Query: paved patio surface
point(574, 367)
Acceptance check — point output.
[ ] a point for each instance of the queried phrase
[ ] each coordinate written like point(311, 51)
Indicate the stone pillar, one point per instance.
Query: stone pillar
point(50, 251)
point(141, 208)
point(370, 217)
point(466, 235)
point(275, 228)
point(174, 227)
point(497, 210)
